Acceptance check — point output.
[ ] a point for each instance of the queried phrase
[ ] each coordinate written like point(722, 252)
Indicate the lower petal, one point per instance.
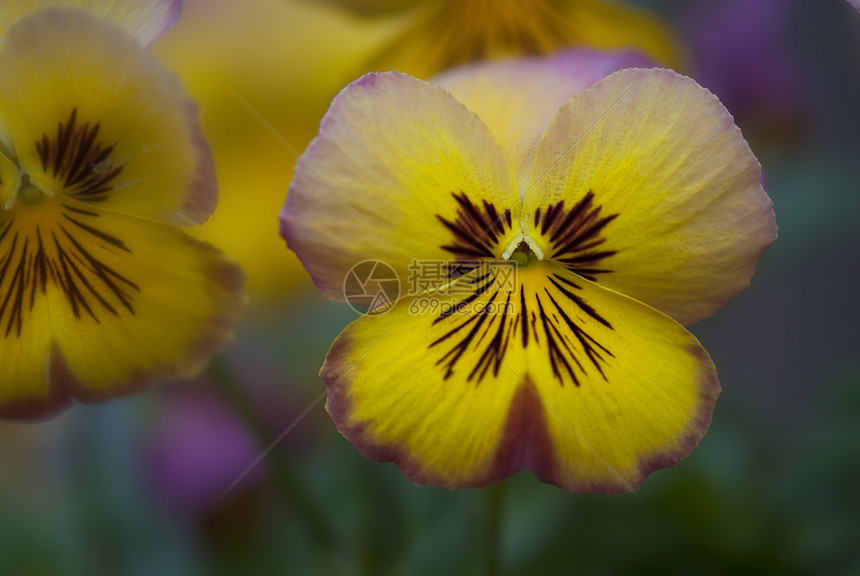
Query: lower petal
point(389, 395)
point(547, 372)
point(97, 304)
point(625, 388)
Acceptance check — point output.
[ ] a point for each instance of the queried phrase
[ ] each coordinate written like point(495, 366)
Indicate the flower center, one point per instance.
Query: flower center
point(523, 250)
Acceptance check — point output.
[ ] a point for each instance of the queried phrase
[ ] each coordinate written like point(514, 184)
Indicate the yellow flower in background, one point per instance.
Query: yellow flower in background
point(433, 35)
point(285, 59)
point(102, 160)
point(575, 235)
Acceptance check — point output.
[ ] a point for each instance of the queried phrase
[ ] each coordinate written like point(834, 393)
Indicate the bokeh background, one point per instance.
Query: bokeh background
point(165, 482)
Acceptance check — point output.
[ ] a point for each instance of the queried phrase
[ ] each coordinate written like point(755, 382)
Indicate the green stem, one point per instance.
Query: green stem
point(496, 493)
point(291, 485)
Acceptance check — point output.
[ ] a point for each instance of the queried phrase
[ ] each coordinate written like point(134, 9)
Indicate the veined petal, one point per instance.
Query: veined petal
point(143, 20)
point(95, 118)
point(589, 389)
point(517, 98)
point(644, 183)
point(400, 170)
point(94, 304)
point(440, 34)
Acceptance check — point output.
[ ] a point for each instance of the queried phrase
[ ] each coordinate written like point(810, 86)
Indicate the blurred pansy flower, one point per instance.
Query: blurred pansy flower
point(577, 235)
point(432, 35)
point(102, 161)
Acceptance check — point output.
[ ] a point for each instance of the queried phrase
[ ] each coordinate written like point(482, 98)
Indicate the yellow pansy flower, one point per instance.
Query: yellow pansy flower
point(577, 228)
point(102, 159)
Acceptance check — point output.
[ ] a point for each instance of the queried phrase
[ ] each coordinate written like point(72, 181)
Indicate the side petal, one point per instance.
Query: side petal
point(398, 163)
point(95, 118)
point(644, 181)
point(144, 21)
point(94, 304)
point(587, 388)
point(517, 98)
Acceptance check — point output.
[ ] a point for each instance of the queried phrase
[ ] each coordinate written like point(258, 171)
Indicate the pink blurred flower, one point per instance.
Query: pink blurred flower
point(739, 53)
point(199, 449)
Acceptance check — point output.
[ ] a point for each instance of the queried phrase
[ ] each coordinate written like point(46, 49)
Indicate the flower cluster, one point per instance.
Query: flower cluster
point(622, 196)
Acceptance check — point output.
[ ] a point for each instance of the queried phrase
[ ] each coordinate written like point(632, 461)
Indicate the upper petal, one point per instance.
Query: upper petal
point(517, 98)
point(541, 371)
point(644, 180)
point(144, 20)
point(400, 170)
point(94, 117)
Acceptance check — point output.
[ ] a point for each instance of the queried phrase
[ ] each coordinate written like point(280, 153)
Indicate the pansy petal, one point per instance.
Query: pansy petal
point(96, 304)
point(589, 389)
point(396, 164)
point(144, 21)
point(517, 98)
point(644, 183)
point(95, 118)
